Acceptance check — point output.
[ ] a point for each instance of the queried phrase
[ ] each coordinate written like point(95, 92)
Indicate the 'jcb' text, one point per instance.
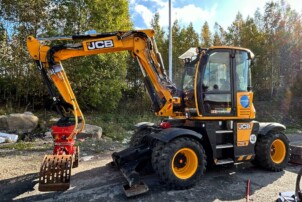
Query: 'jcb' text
point(100, 44)
point(244, 126)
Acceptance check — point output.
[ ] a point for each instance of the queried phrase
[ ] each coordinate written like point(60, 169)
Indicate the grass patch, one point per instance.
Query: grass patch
point(27, 146)
point(293, 130)
point(18, 145)
point(118, 123)
point(115, 124)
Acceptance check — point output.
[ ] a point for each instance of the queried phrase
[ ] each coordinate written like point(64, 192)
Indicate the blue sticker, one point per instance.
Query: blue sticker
point(245, 101)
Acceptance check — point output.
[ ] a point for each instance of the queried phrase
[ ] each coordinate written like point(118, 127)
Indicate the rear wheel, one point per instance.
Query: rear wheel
point(272, 151)
point(179, 163)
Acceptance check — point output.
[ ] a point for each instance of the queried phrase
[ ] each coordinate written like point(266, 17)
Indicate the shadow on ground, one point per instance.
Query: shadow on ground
point(11, 188)
point(104, 184)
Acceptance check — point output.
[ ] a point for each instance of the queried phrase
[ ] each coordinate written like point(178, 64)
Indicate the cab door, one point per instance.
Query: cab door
point(215, 91)
point(224, 84)
point(242, 85)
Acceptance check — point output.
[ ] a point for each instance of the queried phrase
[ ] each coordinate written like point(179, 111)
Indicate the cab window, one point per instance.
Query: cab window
point(242, 71)
point(216, 84)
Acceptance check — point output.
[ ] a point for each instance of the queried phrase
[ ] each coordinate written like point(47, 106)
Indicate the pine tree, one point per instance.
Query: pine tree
point(206, 35)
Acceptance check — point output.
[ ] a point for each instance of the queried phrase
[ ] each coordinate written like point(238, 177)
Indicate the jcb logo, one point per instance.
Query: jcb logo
point(244, 126)
point(100, 44)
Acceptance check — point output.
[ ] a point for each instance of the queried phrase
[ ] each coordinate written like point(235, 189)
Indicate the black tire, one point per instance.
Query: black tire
point(265, 151)
point(138, 136)
point(164, 162)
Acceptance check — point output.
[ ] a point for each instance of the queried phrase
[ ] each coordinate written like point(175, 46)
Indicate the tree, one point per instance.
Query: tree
point(97, 80)
point(102, 77)
point(191, 37)
point(162, 44)
point(218, 38)
point(234, 37)
point(160, 33)
point(206, 35)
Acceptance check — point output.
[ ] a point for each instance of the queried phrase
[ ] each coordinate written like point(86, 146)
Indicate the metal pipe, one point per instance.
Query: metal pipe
point(170, 40)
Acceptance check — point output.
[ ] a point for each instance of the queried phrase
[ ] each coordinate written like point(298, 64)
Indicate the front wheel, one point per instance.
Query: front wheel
point(272, 151)
point(179, 163)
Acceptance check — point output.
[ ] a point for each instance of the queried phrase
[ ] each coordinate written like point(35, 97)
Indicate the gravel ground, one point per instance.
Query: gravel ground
point(94, 180)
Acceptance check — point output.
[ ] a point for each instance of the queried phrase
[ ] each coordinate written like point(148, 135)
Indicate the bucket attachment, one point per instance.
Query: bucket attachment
point(55, 173)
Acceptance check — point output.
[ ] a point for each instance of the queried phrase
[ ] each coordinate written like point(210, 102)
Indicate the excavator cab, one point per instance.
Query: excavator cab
point(220, 79)
point(223, 84)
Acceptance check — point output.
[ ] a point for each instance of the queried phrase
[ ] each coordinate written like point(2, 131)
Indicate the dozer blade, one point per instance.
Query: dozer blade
point(55, 173)
point(129, 161)
point(135, 189)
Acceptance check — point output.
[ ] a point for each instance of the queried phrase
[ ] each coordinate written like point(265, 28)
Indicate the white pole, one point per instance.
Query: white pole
point(170, 40)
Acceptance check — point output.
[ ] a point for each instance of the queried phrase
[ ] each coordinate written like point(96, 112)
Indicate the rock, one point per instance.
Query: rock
point(2, 140)
point(126, 141)
point(107, 139)
point(81, 139)
point(42, 125)
point(9, 137)
point(18, 123)
point(48, 134)
point(91, 131)
point(86, 158)
point(53, 121)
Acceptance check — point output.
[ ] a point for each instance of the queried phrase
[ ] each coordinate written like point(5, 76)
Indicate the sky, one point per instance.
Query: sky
point(197, 11)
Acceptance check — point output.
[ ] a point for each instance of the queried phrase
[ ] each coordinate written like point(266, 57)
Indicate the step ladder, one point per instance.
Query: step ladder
point(226, 149)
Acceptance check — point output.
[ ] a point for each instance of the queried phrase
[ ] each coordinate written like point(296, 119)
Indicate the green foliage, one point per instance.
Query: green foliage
point(18, 146)
point(27, 146)
point(117, 123)
point(106, 82)
point(206, 35)
point(296, 89)
point(97, 80)
point(218, 38)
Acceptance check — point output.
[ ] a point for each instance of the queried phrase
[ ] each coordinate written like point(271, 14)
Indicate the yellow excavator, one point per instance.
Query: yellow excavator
point(210, 120)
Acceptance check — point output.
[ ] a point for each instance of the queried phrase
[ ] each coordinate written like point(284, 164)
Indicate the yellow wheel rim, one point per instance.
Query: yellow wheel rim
point(184, 163)
point(278, 151)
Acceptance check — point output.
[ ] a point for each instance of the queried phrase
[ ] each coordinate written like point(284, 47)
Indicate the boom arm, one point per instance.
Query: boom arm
point(56, 168)
point(140, 43)
point(142, 46)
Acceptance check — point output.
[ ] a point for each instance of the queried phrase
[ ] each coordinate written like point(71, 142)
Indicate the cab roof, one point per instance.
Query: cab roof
point(251, 54)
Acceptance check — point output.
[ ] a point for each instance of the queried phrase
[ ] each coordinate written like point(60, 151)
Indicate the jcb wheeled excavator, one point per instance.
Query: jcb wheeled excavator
point(209, 121)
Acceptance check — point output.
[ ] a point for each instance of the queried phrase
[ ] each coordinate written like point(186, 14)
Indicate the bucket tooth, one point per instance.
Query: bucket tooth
point(55, 173)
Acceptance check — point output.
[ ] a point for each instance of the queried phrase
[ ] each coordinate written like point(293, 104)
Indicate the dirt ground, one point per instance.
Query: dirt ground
point(94, 180)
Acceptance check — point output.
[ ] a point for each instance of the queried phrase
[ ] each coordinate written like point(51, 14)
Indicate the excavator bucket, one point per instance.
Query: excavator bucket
point(55, 173)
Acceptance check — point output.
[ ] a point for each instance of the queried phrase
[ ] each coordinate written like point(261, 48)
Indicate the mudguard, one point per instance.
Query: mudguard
point(264, 128)
point(169, 134)
point(141, 125)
